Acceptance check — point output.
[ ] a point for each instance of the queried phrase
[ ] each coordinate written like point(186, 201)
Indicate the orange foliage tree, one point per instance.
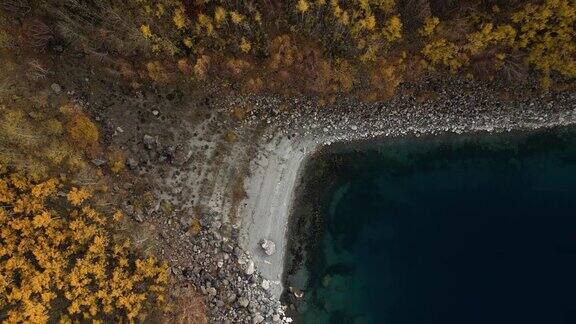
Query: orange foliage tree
point(58, 261)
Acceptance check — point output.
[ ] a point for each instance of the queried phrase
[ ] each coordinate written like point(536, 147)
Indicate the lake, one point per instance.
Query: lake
point(449, 229)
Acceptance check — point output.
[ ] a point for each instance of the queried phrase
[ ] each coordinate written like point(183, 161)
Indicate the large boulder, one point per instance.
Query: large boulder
point(268, 246)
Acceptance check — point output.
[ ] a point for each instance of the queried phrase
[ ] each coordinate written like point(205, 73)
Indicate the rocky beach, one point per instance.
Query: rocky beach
point(239, 253)
point(155, 155)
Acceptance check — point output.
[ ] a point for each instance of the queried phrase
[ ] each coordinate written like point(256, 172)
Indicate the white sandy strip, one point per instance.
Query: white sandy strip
point(274, 174)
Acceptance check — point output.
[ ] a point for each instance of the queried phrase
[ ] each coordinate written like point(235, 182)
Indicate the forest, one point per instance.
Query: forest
point(64, 253)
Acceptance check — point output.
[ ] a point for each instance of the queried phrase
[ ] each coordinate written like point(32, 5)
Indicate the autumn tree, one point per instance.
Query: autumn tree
point(58, 260)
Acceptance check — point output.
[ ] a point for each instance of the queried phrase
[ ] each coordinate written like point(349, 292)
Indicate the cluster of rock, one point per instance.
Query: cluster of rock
point(211, 258)
point(235, 292)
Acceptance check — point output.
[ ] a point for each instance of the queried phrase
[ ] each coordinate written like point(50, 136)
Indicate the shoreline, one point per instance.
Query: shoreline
point(280, 161)
point(321, 261)
point(270, 190)
point(241, 188)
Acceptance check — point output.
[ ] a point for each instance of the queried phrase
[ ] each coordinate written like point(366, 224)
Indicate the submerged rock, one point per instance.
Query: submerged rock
point(297, 292)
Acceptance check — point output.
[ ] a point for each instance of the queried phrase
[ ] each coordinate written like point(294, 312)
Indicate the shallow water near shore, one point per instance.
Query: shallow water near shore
point(467, 229)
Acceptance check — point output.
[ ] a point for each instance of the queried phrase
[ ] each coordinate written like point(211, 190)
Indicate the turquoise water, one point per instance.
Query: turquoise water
point(478, 229)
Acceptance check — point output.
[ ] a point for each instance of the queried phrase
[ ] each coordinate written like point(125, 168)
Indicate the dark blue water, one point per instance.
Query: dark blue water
point(453, 230)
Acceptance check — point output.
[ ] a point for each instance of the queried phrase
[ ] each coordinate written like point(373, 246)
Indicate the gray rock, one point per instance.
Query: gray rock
point(181, 157)
point(227, 247)
point(176, 271)
point(258, 319)
point(211, 291)
point(268, 246)
point(149, 142)
point(250, 268)
point(139, 217)
point(98, 161)
point(56, 87)
point(216, 224)
point(231, 298)
point(128, 209)
point(243, 301)
point(265, 284)
point(297, 292)
point(131, 164)
point(186, 221)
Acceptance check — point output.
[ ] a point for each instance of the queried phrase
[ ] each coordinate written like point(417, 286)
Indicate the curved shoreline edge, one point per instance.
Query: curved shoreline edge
point(280, 159)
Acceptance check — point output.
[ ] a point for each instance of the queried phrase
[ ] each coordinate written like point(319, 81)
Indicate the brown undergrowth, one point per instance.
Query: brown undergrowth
point(320, 48)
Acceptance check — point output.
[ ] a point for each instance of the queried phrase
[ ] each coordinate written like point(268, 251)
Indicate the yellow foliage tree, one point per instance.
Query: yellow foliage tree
point(547, 33)
point(82, 131)
point(65, 256)
point(446, 53)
